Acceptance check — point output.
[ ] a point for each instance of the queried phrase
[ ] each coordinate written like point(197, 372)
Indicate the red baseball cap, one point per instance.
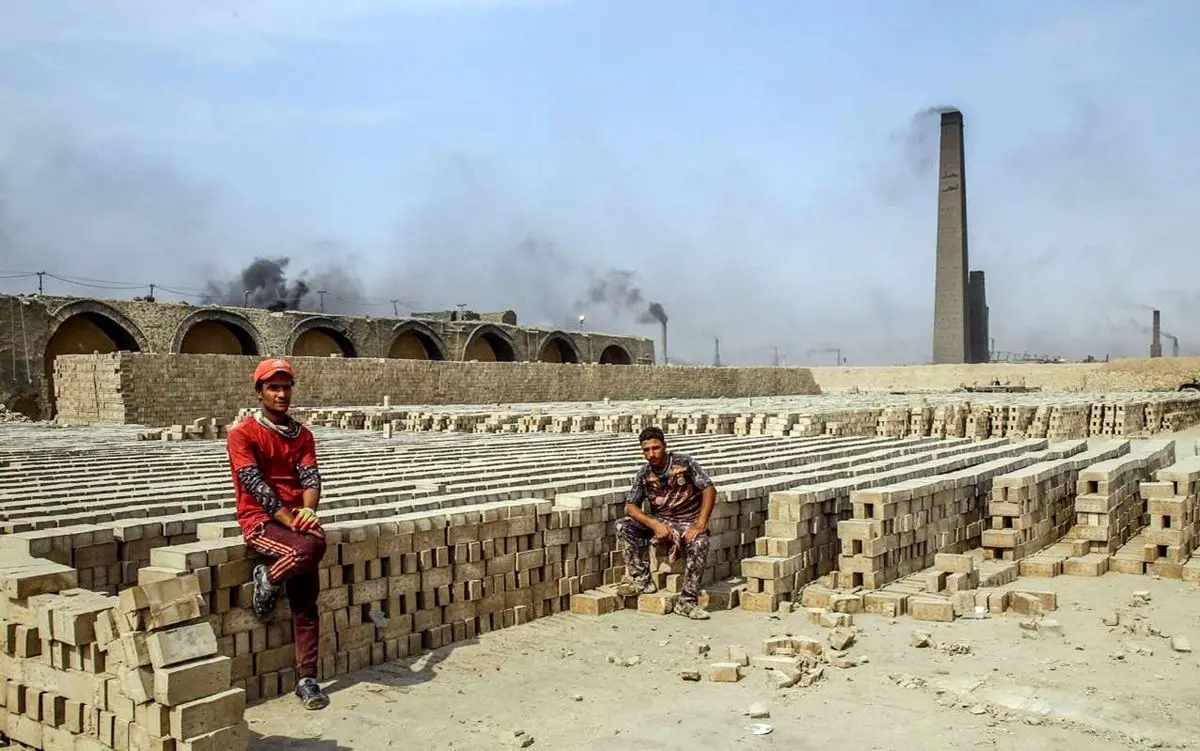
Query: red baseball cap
point(268, 368)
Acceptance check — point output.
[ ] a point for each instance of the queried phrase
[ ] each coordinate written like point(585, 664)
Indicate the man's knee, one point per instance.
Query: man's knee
point(630, 528)
point(309, 550)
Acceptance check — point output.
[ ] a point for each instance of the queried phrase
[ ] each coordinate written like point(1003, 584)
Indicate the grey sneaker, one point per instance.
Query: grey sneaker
point(311, 695)
point(632, 589)
point(266, 593)
point(690, 610)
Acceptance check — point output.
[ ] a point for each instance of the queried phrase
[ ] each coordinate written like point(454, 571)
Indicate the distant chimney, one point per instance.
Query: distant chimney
point(1156, 337)
point(665, 360)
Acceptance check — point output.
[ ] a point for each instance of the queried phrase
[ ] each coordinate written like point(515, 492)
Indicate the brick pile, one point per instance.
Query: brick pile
point(1056, 417)
point(956, 585)
point(1108, 507)
point(1034, 507)
point(1167, 545)
point(809, 530)
point(86, 671)
point(898, 528)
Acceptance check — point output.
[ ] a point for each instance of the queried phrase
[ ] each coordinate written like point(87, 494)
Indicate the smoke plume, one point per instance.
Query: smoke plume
point(264, 284)
point(921, 137)
point(617, 289)
point(655, 312)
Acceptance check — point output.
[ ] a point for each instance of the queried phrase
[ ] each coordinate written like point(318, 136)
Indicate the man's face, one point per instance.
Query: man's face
point(276, 393)
point(655, 451)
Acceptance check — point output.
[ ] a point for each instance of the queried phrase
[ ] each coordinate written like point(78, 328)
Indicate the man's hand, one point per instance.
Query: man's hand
point(662, 533)
point(305, 520)
point(692, 532)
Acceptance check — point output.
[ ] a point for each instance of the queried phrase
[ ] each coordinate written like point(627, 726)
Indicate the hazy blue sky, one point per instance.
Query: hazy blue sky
point(760, 166)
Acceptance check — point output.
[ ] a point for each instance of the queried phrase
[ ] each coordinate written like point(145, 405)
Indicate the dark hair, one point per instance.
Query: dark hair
point(652, 433)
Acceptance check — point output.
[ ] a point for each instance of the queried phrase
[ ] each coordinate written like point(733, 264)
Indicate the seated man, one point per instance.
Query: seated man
point(681, 498)
point(278, 487)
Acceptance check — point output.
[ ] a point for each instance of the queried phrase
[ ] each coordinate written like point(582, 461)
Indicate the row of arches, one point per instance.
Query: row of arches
point(85, 326)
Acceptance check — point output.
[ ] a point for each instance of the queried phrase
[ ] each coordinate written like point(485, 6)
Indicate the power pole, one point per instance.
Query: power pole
point(321, 298)
point(396, 308)
point(246, 298)
point(775, 359)
point(40, 275)
point(717, 353)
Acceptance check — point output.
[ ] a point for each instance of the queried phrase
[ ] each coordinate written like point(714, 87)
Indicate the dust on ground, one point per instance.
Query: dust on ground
point(553, 684)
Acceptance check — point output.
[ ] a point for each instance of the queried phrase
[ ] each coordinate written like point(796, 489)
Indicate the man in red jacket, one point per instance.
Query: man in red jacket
point(278, 486)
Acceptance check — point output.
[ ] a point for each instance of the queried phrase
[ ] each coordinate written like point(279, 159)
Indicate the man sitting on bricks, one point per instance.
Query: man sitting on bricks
point(681, 498)
point(278, 487)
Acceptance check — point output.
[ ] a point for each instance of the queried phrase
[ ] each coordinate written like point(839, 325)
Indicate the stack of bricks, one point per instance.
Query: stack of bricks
point(1108, 507)
point(898, 529)
point(1068, 421)
point(1118, 419)
point(920, 420)
point(1181, 417)
point(894, 422)
point(91, 549)
point(954, 586)
point(1057, 416)
point(998, 422)
point(393, 586)
point(979, 422)
point(1166, 543)
point(804, 536)
point(1034, 507)
point(949, 420)
point(1019, 423)
point(89, 390)
point(203, 428)
point(88, 672)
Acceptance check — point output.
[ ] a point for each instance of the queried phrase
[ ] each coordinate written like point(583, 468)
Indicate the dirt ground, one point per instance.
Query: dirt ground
point(1076, 683)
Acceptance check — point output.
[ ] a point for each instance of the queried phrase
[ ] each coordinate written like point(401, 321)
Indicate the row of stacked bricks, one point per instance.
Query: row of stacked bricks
point(1064, 418)
point(106, 557)
point(1168, 544)
point(394, 586)
point(899, 529)
point(1108, 506)
point(1109, 419)
point(809, 530)
point(85, 671)
point(1034, 507)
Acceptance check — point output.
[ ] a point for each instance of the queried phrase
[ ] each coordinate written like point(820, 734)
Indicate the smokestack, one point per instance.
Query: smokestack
point(664, 328)
point(1156, 337)
point(951, 320)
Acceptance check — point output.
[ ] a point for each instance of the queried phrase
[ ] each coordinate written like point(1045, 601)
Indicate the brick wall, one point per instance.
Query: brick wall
point(1132, 374)
point(153, 389)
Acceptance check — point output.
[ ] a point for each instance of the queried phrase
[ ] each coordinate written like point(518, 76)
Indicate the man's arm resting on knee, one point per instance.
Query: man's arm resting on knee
point(634, 511)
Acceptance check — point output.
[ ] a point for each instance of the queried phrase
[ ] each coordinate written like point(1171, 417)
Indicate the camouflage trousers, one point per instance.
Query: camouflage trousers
point(633, 540)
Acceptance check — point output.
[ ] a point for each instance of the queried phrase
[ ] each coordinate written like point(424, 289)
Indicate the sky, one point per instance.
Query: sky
point(765, 170)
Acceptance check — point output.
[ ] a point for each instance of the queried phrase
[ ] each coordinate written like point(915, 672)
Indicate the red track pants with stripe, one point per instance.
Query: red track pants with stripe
point(296, 556)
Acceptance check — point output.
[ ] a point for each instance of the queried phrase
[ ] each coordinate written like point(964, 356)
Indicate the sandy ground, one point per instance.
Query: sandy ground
point(1090, 686)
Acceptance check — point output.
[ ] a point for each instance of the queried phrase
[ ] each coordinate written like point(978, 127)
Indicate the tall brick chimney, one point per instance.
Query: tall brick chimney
point(1156, 337)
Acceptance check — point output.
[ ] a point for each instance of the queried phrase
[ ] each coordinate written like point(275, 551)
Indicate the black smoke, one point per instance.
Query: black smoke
point(656, 312)
point(264, 283)
point(618, 289)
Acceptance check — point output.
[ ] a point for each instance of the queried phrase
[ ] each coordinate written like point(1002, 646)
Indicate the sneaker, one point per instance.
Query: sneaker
point(266, 593)
point(690, 610)
point(311, 695)
point(632, 589)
